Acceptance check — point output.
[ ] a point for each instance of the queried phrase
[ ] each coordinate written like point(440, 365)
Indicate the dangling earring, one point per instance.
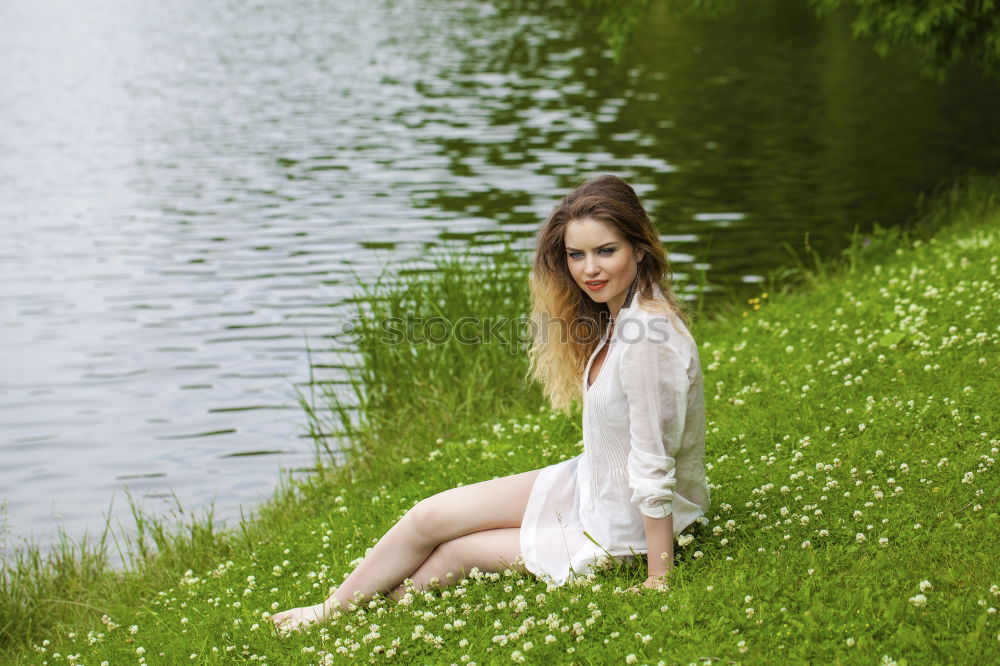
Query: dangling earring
point(631, 289)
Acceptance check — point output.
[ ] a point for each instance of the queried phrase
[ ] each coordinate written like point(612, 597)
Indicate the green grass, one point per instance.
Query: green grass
point(863, 401)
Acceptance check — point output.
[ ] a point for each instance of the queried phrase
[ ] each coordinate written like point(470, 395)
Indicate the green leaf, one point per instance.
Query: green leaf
point(910, 636)
point(956, 606)
point(981, 624)
point(892, 338)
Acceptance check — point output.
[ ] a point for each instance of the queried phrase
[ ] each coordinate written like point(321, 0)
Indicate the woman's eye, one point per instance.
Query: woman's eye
point(607, 250)
point(575, 255)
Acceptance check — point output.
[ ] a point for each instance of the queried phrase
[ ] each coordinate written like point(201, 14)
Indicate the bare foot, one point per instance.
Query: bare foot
point(299, 618)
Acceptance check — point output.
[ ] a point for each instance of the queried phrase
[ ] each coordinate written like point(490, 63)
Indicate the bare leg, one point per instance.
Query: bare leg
point(487, 505)
point(488, 550)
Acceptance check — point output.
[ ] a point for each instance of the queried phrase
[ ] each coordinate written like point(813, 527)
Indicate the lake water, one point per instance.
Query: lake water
point(188, 190)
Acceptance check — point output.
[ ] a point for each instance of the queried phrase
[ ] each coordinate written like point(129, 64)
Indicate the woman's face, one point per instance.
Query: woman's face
point(601, 261)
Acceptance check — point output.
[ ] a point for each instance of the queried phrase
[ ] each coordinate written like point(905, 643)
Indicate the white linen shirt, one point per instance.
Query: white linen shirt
point(643, 452)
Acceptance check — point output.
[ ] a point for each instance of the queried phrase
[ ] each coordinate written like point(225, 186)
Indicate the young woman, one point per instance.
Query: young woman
point(610, 332)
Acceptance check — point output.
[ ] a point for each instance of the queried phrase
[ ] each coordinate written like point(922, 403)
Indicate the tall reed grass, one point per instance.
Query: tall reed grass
point(429, 347)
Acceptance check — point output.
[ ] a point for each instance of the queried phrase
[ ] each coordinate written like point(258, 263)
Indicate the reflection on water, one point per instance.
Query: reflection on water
point(189, 188)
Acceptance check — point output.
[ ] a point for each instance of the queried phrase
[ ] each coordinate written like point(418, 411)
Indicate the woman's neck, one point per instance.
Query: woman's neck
point(615, 308)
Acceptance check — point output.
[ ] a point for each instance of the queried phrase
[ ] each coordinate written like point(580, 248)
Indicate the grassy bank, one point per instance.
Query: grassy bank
point(852, 436)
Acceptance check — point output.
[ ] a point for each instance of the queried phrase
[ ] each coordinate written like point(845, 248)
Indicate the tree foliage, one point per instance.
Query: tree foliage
point(619, 18)
point(940, 32)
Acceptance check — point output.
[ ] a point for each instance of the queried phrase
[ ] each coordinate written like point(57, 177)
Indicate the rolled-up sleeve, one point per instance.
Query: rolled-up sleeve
point(655, 382)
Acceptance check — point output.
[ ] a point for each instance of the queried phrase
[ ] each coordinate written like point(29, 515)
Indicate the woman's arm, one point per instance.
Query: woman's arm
point(655, 382)
point(660, 548)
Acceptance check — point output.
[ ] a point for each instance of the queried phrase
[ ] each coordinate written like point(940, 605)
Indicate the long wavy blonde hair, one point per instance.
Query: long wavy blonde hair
point(567, 324)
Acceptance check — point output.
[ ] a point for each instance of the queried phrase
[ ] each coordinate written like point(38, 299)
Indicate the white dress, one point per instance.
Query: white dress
point(643, 452)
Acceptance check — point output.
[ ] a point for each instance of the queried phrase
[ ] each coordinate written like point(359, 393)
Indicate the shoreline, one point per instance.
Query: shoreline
point(821, 347)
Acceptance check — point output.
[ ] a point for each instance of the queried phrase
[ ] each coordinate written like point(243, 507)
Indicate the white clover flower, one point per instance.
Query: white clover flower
point(918, 600)
point(631, 659)
point(926, 585)
point(860, 537)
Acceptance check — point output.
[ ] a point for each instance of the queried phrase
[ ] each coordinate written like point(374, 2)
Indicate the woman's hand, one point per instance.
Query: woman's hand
point(658, 583)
